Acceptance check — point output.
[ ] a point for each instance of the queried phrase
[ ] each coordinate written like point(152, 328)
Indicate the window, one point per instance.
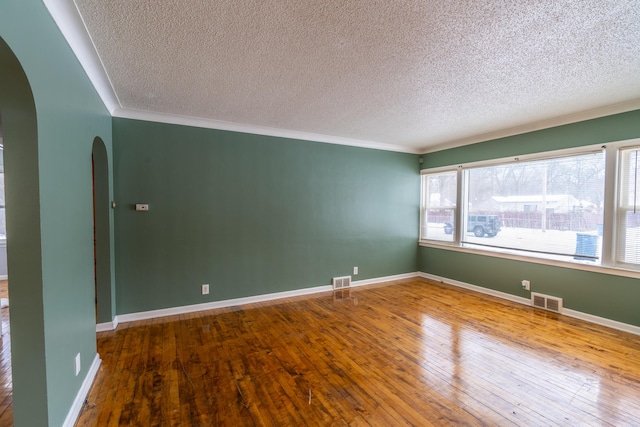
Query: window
point(552, 205)
point(549, 206)
point(628, 218)
point(439, 206)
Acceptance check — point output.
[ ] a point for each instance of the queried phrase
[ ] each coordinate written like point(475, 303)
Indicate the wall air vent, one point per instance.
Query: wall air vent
point(341, 282)
point(547, 302)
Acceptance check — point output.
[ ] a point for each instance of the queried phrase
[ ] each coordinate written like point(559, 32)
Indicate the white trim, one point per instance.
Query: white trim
point(487, 291)
point(608, 110)
point(602, 321)
point(74, 411)
point(149, 116)
point(602, 269)
point(5, 277)
point(69, 21)
point(540, 155)
point(439, 169)
point(608, 264)
point(107, 326)
point(152, 314)
point(130, 317)
point(384, 279)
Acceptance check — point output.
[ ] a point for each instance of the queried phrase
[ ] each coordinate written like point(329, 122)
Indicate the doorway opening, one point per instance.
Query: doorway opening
point(6, 388)
point(101, 232)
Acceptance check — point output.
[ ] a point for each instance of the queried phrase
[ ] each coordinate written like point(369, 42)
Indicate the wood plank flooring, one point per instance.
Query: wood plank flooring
point(6, 383)
point(411, 352)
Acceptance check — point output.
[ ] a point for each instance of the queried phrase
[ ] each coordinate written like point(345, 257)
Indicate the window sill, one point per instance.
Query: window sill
point(616, 271)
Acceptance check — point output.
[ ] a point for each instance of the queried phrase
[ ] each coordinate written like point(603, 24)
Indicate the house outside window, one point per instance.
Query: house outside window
point(439, 205)
point(550, 206)
point(554, 205)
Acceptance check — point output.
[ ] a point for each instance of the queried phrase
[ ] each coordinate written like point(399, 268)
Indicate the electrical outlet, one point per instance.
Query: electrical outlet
point(526, 285)
point(78, 366)
point(355, 271)
point(205, 289)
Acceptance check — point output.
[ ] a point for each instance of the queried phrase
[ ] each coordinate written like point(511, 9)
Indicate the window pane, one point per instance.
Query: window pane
point(551, 206)
point(439, 206)
point(628, 224)
point(629, 178)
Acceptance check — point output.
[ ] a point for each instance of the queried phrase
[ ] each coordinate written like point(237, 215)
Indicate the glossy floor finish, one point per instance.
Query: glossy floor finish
point(409, 353)
point(6, 384)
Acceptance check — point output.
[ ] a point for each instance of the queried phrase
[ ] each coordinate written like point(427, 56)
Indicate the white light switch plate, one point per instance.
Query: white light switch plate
point(78, 366)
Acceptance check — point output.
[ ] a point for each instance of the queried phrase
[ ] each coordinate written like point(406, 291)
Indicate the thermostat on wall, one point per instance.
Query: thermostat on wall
point(142, 207)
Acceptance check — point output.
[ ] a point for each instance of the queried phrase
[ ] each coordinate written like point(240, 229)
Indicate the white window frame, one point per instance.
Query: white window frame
point(423, 202)
point(621, 210)
point(608, 262)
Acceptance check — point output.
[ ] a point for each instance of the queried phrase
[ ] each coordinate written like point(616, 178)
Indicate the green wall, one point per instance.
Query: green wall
point(609, 296)
point(618, 127)
point(247, 214)
point(253, 215)
point(23, 250)
point(48, 142)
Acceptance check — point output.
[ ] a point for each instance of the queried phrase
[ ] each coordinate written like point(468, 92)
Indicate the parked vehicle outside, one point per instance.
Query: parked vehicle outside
point(479, 225)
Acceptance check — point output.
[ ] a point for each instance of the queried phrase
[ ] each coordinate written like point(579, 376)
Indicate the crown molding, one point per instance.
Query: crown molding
point(70, 22)
point(593, 113)
point(256, 130)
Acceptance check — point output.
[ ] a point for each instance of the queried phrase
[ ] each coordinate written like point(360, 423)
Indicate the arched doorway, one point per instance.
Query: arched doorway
point(20, 140)
point(102, 232)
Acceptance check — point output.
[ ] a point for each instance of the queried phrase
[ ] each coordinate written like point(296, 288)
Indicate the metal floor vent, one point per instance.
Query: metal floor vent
point(341, 282)
point(547, 302)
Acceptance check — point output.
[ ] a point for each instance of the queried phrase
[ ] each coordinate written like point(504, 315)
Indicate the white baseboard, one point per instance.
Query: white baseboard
point(5, 277)
point(383, 279)
point(130, 317)
point(107, 326)
point(143, 315)
point(602, 321)
point(486, 291)
point(72, 416)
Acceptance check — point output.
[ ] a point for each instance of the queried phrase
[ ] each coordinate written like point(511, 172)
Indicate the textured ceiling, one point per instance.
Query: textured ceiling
point(415, 75)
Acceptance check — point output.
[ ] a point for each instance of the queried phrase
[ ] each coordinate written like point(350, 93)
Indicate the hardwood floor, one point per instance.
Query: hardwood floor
point(6, 383)
point(4, 289)
point(408, 353)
